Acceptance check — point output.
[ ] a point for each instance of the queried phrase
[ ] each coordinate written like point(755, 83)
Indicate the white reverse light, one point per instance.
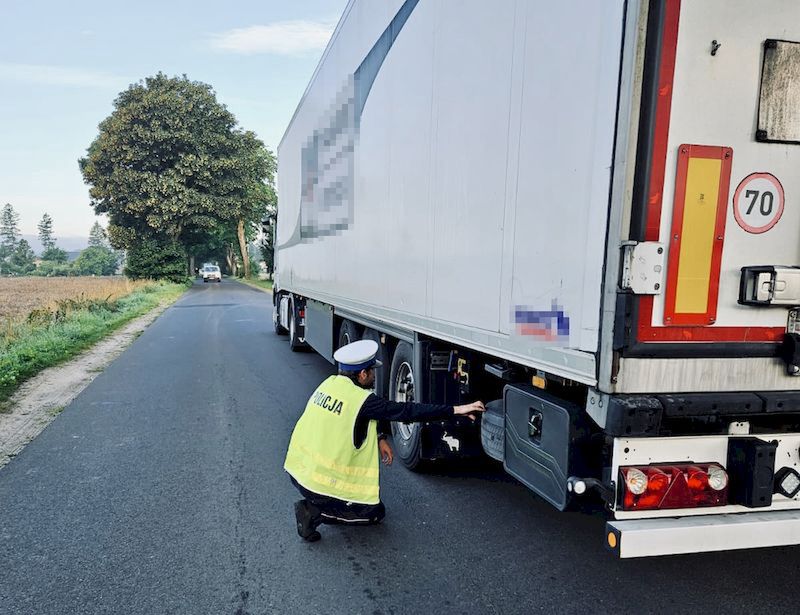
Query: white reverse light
point(717, 478)
point(636, 480)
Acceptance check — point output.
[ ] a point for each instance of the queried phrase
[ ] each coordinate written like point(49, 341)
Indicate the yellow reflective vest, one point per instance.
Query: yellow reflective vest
point(322, 456)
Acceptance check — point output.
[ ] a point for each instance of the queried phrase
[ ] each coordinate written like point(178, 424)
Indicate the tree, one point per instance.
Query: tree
point(96, 260)
point(154, 258)
point(9, 231)
point(53, 269)
point(267, 244)
point(170, 163)
point(256, 192)
point(46, 237)
point(22, 258)
point(55, 255)
point(98, 238)
point(50, 252)
point(208, 246)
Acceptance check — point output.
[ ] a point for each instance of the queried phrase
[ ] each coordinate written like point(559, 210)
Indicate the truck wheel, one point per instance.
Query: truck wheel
point(294, 339)
point(407, 436)
point(381, 373)
point(279, 330)
point(348, 332)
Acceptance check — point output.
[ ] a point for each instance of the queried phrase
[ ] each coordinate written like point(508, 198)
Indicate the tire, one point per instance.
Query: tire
point(279, 330)
point(407, 436)
point(294, 339)
point(205, 281)
point(348, 332)
point(381, 373)
point(493, 428)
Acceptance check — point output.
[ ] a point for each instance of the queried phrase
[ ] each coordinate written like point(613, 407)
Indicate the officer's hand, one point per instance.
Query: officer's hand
point(385, 451)
point(470, 410)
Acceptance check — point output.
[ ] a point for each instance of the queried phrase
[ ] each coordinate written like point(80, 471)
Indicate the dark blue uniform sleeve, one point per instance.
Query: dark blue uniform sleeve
point(378, 409)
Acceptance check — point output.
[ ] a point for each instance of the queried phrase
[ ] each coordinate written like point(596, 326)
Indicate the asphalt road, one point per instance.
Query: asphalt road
point(160, 490)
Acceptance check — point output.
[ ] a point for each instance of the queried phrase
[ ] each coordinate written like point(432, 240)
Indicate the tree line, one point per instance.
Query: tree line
point(18, 258)
point(180, 181)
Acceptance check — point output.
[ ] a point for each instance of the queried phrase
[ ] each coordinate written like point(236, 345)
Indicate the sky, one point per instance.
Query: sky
point(63, 63)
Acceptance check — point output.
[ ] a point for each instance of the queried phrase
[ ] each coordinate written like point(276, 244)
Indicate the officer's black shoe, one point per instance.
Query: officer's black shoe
point(307, 521)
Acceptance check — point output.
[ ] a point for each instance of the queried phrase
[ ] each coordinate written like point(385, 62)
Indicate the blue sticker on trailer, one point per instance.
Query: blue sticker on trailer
point(550, 326)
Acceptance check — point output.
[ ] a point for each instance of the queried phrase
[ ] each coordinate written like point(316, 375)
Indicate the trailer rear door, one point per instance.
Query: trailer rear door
point(716, 189)
point(719, 186)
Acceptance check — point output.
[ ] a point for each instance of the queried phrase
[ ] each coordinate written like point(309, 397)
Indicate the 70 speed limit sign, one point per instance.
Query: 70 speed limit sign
point(758, 202)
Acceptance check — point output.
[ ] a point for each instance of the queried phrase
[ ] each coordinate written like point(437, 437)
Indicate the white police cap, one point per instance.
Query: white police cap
point(357, 356)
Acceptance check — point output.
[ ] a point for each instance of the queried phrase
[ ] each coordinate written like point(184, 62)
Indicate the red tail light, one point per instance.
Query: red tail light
point(686, 485)
point(302, 313)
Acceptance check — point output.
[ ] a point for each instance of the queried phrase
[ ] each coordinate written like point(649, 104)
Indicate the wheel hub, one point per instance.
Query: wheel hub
point(404, 391)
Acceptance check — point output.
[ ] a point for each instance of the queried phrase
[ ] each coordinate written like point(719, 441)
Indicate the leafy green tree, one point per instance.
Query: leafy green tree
point(256, 193)
point(55, 255)
point(46, 237)
point(9, 231)
point(96, 260)
point(98, 238)
point(170, 163)
point(267, 244)
point(208, 246)
point(21, 259)
point(53, 269)
point(50, 253)
point(156, 258)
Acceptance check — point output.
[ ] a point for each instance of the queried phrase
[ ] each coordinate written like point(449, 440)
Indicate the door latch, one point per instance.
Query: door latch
point(765, 285)
point(535, 424)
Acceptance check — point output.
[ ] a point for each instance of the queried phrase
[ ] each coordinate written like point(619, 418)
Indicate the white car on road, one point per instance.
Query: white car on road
point(211, 273)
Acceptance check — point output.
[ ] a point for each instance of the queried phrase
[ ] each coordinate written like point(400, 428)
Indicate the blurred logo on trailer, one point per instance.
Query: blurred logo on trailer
point(551, 326)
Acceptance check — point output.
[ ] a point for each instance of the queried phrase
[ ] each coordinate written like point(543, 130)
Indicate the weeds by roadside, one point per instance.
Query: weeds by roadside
point(265, 285)
point(55, 333)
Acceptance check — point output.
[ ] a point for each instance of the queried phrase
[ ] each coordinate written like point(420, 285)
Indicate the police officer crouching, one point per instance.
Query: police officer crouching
point(335, 449)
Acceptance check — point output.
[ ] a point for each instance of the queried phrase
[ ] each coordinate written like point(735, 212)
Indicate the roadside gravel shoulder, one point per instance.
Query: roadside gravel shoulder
point(39, 400)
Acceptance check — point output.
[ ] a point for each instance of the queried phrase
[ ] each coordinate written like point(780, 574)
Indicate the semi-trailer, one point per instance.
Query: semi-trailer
point(584, 211)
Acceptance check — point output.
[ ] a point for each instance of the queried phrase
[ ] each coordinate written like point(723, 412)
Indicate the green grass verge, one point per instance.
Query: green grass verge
point(48, 338)
point(262, 284)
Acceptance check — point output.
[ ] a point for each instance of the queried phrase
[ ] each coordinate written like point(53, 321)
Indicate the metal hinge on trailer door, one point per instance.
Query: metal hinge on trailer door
point(642, 267)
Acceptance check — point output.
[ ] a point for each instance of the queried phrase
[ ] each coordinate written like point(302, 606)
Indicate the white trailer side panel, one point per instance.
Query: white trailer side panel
point(472, 88)
point(566, 145)
point(476, 183)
